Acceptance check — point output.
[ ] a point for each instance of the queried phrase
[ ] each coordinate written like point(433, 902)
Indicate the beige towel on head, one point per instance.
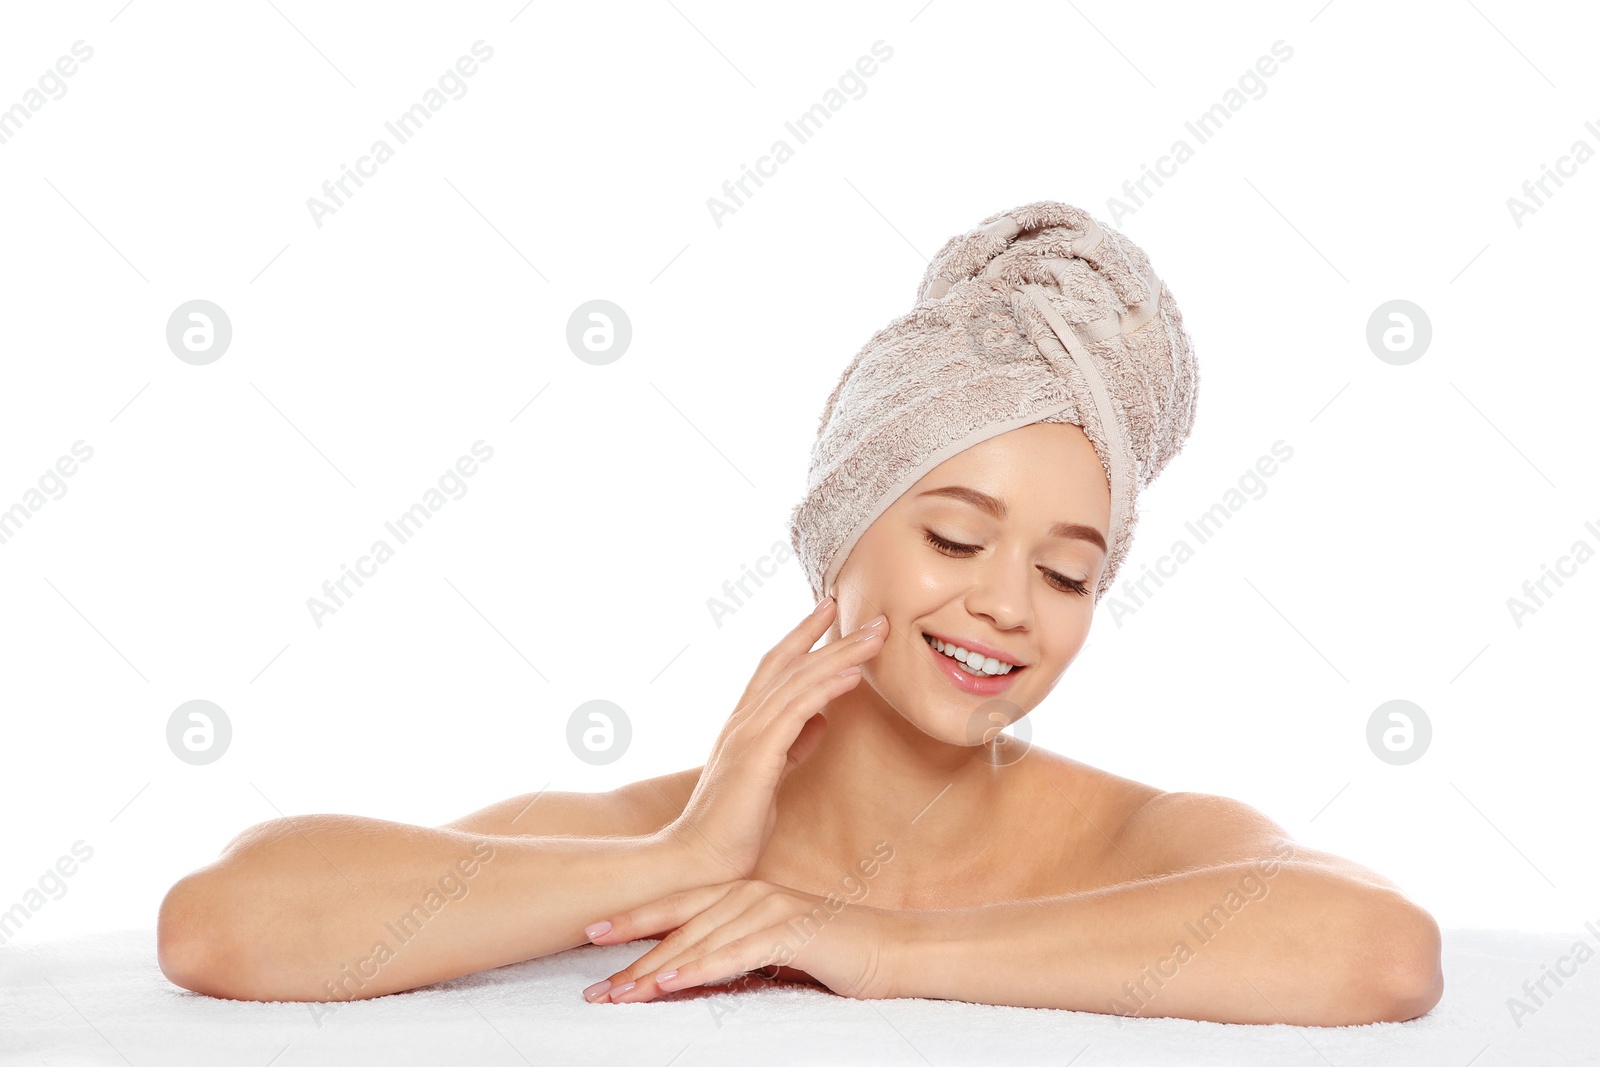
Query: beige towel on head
point(1040, 314)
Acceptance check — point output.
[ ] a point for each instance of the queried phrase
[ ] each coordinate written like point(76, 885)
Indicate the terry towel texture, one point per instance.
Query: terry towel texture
point(96, 1000)
point(1040, 314)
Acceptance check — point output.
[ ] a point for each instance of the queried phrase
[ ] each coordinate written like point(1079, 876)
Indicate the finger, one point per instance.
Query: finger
point(699, 938)
point(742, 954)
point(721, 920)
point(798, 642)
point(770, 736)
point(806, 743)
point(809, 668)
point(668, 913)
point(639, 981)
point(809, 684)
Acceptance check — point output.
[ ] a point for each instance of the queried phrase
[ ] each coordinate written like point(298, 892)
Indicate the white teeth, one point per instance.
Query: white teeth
point(974, 663)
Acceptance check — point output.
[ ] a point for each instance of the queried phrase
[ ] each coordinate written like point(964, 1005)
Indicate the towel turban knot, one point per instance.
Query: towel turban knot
point(1039, 314)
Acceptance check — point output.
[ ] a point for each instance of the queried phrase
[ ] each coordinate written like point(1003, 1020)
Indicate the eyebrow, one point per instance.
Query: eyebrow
point(996, 508)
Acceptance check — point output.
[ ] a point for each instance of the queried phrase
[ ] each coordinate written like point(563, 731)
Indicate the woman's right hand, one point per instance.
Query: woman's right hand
point(734, 808)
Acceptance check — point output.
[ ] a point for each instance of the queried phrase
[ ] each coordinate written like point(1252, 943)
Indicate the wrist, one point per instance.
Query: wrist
point(918, 953)
point(690, 860)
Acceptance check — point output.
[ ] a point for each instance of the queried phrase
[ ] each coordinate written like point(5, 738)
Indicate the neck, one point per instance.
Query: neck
point(876, 778)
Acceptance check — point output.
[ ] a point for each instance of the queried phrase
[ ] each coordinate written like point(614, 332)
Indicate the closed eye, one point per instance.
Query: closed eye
point(960, 551)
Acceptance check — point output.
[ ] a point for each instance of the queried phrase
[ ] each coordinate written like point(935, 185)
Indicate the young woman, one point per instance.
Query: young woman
point(860, 822)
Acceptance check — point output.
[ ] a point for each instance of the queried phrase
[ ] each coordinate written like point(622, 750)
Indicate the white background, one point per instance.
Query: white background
point(430, 312)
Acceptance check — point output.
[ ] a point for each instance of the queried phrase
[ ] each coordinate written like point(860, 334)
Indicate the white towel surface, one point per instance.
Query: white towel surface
point(102, 1000)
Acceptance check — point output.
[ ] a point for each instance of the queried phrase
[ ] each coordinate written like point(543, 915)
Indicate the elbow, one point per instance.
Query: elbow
point(200, 925)
point(178, 944)
point(189, 945)
point(1406, 977)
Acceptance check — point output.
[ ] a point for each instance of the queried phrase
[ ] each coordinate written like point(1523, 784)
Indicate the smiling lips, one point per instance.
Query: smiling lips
point(965, 650)
point(981, 684)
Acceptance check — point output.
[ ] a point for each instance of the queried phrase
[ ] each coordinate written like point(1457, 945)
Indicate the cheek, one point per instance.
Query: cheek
point(1069, 634)
point(877, 586)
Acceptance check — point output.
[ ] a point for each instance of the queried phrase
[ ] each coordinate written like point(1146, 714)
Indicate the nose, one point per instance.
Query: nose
point(999, 591)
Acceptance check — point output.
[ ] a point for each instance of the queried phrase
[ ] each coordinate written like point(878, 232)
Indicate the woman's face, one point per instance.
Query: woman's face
point(1020, 583)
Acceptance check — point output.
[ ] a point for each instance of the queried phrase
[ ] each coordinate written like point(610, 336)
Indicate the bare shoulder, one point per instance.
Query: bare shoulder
point(1070, 816)
point(1115, 829)
point(1102, 801)
point(638, 808)
point(1179, 831)
point(1118, 829)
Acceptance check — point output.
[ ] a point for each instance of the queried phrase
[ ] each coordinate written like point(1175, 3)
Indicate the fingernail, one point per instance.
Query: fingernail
point(664, 977)
point(596, 989)
point(879, 621)
point(621, 989)
point(824, 602)
point(599, 929)
point(848, 671)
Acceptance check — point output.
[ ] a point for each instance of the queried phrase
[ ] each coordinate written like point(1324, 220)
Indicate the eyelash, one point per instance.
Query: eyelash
point(1072, 585)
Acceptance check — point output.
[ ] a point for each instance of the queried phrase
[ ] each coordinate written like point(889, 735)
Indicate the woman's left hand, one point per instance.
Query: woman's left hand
point(721, 931)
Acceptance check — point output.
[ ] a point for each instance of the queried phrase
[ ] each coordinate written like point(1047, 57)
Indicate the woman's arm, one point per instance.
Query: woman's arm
point(340, 907)
point(1230, 922)
point(640, 807)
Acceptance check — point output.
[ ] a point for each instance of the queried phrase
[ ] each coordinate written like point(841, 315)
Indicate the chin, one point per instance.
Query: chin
point(945, 713)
